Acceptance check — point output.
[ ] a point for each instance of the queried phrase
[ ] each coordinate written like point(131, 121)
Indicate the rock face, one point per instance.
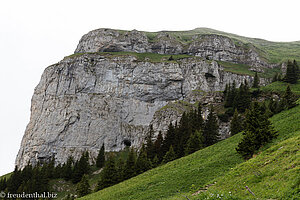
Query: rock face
point(214, 47)
point(86, 100)
point(91, 98)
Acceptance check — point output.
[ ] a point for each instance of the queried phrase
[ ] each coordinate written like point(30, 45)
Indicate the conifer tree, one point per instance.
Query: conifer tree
point(169, 139)
point(109, 175)
point(170, 155)
point(297, 70)
point(243, 98)
point(130, 166)
point(155, 161)
point(211, 129)
point(230, 95)
point(236, 124)
point(158, 146)
point(291, 73)
point(83, 187)
point(67, 169)
point(3, 184)
point(143, 163)
point(81, 167)
point(199, 118)
point(289, 99)
point(258, 131)
point(256, 81)
point(150, 149)
point(120, 168)
point(182, 135)
point(14, 181)
point(194, 143)
point(101, 157)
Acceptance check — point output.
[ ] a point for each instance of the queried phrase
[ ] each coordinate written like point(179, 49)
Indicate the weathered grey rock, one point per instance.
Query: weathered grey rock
point(90, 99)
point(214, 47)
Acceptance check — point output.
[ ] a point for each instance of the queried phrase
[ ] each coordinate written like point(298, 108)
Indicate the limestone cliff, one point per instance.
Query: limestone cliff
point(89, 99)
point(211, 46)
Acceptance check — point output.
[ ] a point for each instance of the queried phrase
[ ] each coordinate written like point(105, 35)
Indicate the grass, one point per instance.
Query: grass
point(280, 87)
point(273, 52)
point(273, 173)
point(141, 57)
point(6, 176)
point(244, 69)
point(178, 176)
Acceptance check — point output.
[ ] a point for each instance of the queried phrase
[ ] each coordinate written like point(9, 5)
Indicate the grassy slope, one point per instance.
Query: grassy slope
point(273, 173)
point(281, 87)
point(178, 176)
point(274, 52)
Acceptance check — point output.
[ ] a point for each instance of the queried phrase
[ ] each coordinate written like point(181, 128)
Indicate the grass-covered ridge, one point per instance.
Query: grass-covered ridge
point(273, 52)
point(274, 173)
point(280, 87)
point(178, 176)
point(141, 57)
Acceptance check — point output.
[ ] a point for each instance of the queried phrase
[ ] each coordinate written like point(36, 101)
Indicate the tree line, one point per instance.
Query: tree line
point(190, 134)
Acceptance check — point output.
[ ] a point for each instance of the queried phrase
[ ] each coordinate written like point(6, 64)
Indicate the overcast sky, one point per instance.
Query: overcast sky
point(35, 34)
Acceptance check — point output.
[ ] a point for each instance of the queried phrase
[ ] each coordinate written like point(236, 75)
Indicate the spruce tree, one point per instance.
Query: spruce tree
point(211, 129)
point(170, 155)
point(297, 70)
point(81, 167)
point(109, 175)
point(83, 187)
point(243, 98)
point(236, 124)
point(289, 99)
point(158, 146)
point(291, 73)
point(256, 81)
point(258, 131)
point(143, 163)
point(101, 157)
point(150, 149)
point(194, 143)
point(14, 181)
point(169, 139)
point(130, 166)
point(199, 118)
point(67, 169)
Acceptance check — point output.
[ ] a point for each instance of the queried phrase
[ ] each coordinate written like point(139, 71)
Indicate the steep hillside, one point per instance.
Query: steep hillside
point(272, 174)
point(274, 52)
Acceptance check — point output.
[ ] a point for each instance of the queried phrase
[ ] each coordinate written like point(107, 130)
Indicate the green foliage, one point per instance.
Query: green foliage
point(170, 155)
point(289, 99)
point(242, 99)
point(194, 143)
point(211, 129)
point(109, 175)
point(256, 81)
point(143, 163)
point(130, 166)
point(67, 169)
point(292, 72)
point(258, 131)
point(81, 167)
point(83, 187)
point(166, 180)
point(150, 148)
point(100, 161)
point(236, 124)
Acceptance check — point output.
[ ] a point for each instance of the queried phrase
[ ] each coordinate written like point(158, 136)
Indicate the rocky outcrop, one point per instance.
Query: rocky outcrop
point(90, 99)
point(213, 47)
